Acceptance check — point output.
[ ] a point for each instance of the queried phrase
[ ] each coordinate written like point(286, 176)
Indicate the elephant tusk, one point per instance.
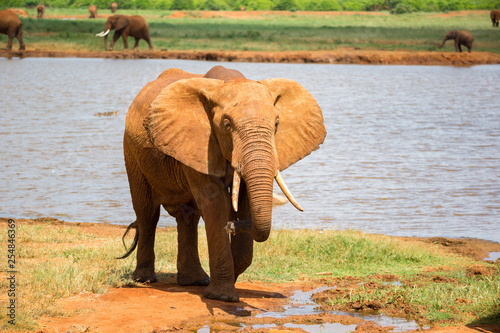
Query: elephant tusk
point(104, 33)
point(286, 191)
point(236, 190)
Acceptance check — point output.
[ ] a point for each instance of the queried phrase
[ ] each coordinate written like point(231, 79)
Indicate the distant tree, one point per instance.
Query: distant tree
point(183, 5)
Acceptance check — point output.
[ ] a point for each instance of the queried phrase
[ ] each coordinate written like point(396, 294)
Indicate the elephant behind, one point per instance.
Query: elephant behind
point(495, 17)
point(460, 37)
point(11, 26)
point(124, 26)
point(114, 7)
point(40, 9)
point(93, 11)
point(210, 146)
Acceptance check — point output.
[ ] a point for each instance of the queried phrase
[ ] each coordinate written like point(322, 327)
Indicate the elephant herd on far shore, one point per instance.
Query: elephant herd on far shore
point(123, 25)
point(136, 26)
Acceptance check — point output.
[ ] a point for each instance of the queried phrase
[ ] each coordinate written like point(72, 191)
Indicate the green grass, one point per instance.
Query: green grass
point(417, 31)
point(55, 262)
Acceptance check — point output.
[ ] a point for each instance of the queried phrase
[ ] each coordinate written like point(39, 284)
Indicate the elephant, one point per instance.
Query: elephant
point(495, 17)
point(93, 11)
point(11, 26)
point(114, 7)
point(40, 11)
point(124, 25)
point(211, 146)
point(461, 37)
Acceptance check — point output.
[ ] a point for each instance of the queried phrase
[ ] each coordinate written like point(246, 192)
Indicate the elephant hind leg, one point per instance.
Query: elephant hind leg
point(136, 45)
point(147, 211)
point(189, 270)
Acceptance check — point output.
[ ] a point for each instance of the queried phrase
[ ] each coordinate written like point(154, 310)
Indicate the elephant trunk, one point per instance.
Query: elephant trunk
point(259, 167)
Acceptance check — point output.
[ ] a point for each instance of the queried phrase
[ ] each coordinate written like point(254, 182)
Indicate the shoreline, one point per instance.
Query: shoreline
point(165, 306)
point(339, 56)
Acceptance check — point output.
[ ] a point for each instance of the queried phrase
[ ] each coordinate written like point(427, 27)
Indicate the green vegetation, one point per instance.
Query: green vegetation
point(267, 32)
point(55, 262)
point(395, 6)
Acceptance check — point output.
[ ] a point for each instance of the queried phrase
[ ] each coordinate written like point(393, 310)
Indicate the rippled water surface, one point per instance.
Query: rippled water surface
point(410, 150)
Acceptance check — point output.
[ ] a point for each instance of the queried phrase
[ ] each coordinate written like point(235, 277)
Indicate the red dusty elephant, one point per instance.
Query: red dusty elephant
point(40, 9)
point(93, 11)
point(124, 26)
point(11, 26)
point(460, 37)
point(114, 7)
point(495, 17)
point(212, 146)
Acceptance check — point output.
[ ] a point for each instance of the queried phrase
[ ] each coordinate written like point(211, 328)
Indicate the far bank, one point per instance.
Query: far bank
point(340, 56)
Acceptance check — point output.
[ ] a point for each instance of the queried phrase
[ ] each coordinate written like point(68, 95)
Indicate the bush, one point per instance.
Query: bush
point(285, 5)
point(395, 6)
point(183, 5)
point(257, 4)
point(215, 5)
point(324, 5)
point(402, 8)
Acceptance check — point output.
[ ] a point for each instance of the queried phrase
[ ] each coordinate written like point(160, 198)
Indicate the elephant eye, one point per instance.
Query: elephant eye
point(276, 125)
point(227, 124)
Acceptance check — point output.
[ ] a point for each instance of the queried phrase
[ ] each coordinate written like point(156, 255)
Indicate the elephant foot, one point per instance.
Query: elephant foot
point(144, 276)
point(193, 280)
point(225, 294)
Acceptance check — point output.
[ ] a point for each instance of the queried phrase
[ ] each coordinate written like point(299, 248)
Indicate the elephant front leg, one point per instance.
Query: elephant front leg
point(125, 41)
point(116, 36)
point(214, 204)
point(242, 243)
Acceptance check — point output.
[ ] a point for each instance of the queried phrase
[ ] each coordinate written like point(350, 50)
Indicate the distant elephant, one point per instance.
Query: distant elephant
point(93, 11)
point(11, 26)
point(495, 17)
point(461, 38)
point(114, 7)
point(124, 25)
point(40, 11)
point(210, 147)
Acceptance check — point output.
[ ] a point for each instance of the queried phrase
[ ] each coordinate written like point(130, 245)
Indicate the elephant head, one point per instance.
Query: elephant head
point(450, 35)
point(260, 128)
point(115, 22)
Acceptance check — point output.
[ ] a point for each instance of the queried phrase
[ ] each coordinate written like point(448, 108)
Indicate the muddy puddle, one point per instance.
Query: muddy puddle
point(303, 314)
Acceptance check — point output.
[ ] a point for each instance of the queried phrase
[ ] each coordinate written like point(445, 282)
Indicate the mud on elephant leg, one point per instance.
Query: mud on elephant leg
point(214, 203)
point(189, 270)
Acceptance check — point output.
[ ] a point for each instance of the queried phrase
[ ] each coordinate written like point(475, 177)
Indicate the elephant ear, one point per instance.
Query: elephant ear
point(121, 22)
point(179, 125)
point(301, 129)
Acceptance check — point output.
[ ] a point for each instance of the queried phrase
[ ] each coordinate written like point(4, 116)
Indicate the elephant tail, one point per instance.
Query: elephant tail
point(134, 243)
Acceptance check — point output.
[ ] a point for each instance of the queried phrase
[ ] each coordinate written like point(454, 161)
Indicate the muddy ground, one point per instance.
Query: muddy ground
point(167, 307)
point(339, 56)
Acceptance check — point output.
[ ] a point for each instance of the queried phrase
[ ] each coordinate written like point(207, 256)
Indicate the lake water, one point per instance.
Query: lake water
point(410, 150)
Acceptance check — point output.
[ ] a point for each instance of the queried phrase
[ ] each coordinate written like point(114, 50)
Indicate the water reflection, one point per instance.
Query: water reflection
point(410, 150)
